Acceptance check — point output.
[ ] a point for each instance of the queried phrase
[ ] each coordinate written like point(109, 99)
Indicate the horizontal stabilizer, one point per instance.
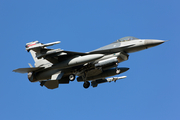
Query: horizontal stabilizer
point(26, 70)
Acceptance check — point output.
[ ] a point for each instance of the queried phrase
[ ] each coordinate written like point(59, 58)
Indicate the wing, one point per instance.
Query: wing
point(52, 55)
point(57, 53)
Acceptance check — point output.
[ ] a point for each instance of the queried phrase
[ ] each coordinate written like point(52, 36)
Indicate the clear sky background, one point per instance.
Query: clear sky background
point(151, 90)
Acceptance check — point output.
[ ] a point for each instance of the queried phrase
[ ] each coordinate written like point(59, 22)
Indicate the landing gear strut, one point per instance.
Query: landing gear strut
point(86, 84)
point(42, 83)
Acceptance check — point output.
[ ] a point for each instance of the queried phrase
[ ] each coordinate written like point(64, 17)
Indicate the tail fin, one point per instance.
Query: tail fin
point(33, 53)
point(35, 48)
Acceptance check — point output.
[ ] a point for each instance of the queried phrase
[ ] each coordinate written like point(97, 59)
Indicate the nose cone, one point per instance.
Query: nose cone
point(152, 43)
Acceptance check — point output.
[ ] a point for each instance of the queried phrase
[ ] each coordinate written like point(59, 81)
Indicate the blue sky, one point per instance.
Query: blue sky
point(151, 89)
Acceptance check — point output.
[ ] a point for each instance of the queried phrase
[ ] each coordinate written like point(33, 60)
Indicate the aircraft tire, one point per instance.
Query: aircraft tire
point(86, 84)
point(72, 77)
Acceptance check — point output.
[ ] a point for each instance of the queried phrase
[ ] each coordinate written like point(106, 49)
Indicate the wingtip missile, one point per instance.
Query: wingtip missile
point(37, 45)
point(52, 43)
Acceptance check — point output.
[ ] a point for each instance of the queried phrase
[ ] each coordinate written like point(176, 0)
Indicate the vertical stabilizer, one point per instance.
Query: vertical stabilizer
point(33, 53)
point(35, 48)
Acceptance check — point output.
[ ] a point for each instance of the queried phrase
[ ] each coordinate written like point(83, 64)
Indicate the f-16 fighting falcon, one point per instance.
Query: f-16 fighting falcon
point(57, 66)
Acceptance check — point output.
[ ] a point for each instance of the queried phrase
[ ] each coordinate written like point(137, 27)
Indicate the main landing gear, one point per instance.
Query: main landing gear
point(86, 84)
point(72, 77)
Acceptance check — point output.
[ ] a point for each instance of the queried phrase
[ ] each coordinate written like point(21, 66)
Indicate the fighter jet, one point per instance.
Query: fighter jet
point(57, 66)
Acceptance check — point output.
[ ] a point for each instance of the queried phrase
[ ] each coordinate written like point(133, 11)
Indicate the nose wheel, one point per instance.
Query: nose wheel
point(86, 84)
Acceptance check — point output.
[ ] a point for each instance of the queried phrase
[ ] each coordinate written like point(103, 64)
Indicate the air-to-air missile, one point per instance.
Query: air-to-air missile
point(99, 81)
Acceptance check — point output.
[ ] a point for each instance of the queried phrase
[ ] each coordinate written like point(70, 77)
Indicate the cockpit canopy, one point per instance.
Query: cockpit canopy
point(128, 38)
